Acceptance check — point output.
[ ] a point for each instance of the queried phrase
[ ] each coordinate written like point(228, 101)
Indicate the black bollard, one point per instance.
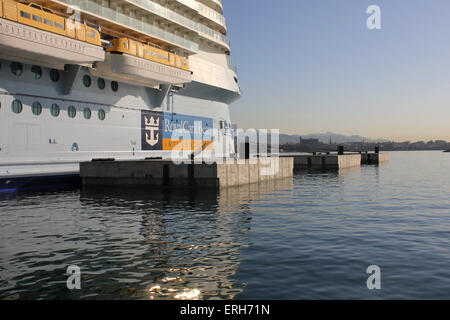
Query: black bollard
point(247, 150)
point(377, 150)
point(340, 150)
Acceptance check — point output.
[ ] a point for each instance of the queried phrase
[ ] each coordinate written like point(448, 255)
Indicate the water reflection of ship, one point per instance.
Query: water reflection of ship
point(191, 240)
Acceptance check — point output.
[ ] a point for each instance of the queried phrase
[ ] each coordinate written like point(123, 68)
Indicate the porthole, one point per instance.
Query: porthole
point(101, 114)
point(16, 106)
point(86, 81)
point(114, 86)
point(101, 83)
point(54, 75)
point(36, 108)
point(54, 110)
point(16, 68)
point(87, 113)
point(36, 71)
point(72, 112)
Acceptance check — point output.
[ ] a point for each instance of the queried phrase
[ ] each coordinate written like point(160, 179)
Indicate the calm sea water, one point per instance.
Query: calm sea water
point(310, 237)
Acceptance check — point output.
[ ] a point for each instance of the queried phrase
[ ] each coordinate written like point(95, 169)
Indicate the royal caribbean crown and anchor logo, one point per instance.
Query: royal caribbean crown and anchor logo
point(151, 130)
point(159, 131)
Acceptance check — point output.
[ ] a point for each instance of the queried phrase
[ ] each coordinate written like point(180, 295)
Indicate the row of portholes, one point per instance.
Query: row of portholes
point(36, 109)
point(101, 83)
point(17, 69)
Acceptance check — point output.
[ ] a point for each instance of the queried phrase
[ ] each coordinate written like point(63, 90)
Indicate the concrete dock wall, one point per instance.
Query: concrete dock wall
point(167, 173)
point(254, 171)
point(326, 161)
point(374, 158)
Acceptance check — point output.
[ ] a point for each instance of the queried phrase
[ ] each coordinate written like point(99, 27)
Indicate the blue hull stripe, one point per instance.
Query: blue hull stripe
point(39, 182)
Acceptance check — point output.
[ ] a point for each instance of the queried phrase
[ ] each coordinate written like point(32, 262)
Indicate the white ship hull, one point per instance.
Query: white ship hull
point(36, 146)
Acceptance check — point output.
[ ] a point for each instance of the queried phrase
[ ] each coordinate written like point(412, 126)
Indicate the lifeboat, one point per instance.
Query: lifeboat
point(134, 62)
point(34, 34)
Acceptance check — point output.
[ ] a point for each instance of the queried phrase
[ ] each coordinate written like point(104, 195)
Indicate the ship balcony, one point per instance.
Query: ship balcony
point(114, 20)
point(136, 70)
point(213, 18)
point(215, 4)
point(162, 12)
point(214, 37)
point(23, 43)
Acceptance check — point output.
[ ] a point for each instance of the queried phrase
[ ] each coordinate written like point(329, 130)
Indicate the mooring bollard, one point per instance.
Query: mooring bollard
point(247, 150)
point(340, 150)
point(377, 150)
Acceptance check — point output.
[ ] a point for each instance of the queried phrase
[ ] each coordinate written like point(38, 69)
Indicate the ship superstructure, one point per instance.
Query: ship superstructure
point(88, 79)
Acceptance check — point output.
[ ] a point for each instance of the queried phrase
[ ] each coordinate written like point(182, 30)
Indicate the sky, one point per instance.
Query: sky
point(312, 66)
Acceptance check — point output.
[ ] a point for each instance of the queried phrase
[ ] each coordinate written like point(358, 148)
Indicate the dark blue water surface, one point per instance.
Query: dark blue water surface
point(310, 237)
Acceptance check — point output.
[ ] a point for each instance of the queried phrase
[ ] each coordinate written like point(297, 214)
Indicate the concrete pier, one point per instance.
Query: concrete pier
point(374, 158)
point(325, 161)
point(156, 172)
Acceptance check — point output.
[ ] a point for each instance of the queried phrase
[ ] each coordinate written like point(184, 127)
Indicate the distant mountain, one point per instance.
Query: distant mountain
point(325, 138)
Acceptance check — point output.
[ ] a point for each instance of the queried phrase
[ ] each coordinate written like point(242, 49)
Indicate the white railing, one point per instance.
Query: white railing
point(166, 13)
point(161, 11)
point(212, 14)
point(218, 2)
point(151, 30)
point(189, 3)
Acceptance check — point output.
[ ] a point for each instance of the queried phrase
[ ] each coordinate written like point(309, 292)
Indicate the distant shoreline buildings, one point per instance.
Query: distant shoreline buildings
point(314, 144)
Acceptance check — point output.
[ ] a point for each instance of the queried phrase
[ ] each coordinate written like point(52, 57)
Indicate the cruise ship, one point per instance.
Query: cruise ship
point(110, 79)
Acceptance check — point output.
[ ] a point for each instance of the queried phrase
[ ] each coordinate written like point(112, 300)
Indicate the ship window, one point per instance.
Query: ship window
point(101, 83)
point(114, 86)
point(47, 10)
point(87, 113)
point(36, 71)
point(36, 108)
point(37, 18)
point(58, 25)
point(54, 75)
point(54, 110)
point(24, 14)
point(48, 22)
point(91, 34)
point(72, 112)
point(101, 114)
point(35, 6)
point(86, 81)
point(16, 68)
point(16, 106)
